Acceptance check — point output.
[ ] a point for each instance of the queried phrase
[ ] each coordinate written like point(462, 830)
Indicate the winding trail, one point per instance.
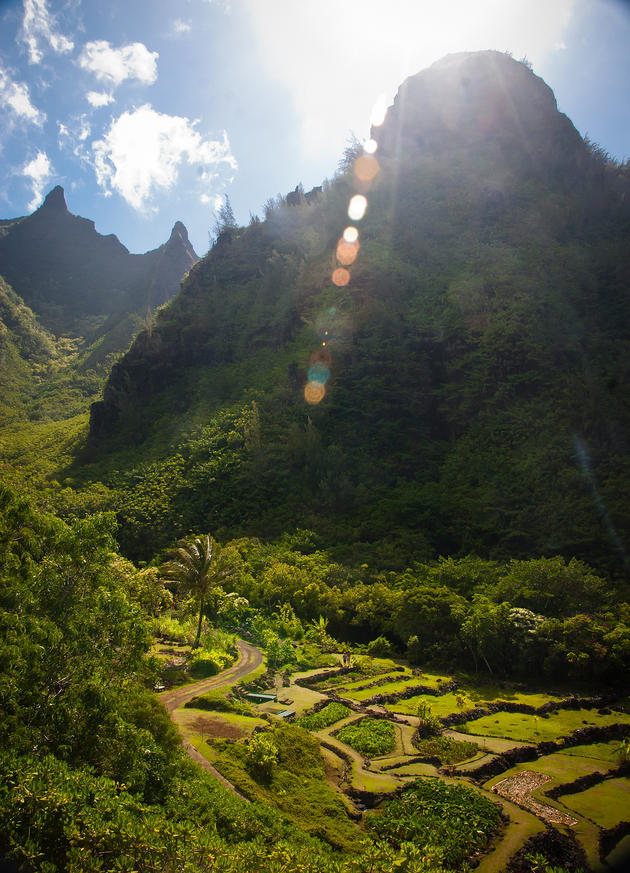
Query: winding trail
point(249, 659)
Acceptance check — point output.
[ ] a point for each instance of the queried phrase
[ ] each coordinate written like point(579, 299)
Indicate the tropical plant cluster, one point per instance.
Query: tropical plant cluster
point(453, 822)
point(331, 713)
point(371, 737)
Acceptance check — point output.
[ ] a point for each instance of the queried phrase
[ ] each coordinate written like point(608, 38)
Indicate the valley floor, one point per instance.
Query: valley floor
point(550, 760)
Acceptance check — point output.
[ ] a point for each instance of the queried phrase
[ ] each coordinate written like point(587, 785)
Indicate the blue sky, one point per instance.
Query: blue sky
point(149, 111)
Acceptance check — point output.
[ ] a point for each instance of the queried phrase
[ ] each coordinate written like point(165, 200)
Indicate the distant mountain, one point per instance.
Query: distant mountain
point(72, 302)
point(461, 388)
point(79, 282)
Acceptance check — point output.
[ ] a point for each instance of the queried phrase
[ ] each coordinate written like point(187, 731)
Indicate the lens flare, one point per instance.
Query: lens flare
point(379, 111)
point(340, 277)
point(351, 234)
point(314, 392)
point(357, 207)
point(365, 168)
point(370, 146)
point(321, 356)
point(318, 373)
point(347, 252)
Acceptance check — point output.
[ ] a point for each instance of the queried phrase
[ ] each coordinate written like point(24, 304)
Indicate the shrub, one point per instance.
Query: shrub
point(208, 662)
point(214, 701)
point(370, 736)
point(324, 718)
point(448, 750)
point(429, 724)
point(454, 820)
point(379, 648)
point(261, 757)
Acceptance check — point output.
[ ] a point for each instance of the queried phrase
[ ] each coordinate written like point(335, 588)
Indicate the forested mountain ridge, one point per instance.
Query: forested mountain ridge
point(76, 279)
point(478, 356)
point(75, 302)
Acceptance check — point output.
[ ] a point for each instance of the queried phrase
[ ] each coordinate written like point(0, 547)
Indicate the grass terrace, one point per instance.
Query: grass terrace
point(535, 729)
point(606, 804)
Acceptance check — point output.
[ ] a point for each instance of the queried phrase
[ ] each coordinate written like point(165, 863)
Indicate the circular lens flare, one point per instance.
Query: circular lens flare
point(347, 252)
point(365, 168)
point(357, 207)
point(351, 234)
point(318, 373)
point(370, 146)
point(340, 277)
point(314, 392)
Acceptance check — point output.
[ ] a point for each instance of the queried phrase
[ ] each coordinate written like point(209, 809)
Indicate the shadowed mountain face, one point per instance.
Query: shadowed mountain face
point(472, 363)
point(79, 282)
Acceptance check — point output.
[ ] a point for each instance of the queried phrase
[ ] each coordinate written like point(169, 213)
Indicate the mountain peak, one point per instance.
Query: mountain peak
point(478, 100)
point(55, 199)
point(179, 229)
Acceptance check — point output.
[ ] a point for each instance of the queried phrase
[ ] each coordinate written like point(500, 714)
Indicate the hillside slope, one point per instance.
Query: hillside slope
point(469, 377)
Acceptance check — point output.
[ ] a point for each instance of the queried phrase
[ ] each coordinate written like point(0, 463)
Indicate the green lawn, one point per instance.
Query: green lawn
point(535, 729)
point(442, 705)
point(608, 752)
point(480, 692)
point(606, 804)
point(389, 688)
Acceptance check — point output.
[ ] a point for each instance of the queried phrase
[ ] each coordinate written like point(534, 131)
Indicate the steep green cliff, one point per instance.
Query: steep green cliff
point(474, 366)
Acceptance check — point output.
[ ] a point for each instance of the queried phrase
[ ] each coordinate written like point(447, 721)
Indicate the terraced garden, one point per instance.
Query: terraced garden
point(546, 759)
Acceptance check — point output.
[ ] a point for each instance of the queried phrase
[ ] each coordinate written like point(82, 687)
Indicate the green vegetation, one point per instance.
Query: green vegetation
point(606, 803)
point(330, 714)
point(284, 767)
point(535, 728)
point(459, 496)
point(448, 750)
point(608, 752)
point(216, 701)
point(371, 737)
point(261, 757)
point(452, 822)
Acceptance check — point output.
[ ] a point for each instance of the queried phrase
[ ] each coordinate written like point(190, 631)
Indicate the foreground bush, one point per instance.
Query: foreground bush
point(452, 820)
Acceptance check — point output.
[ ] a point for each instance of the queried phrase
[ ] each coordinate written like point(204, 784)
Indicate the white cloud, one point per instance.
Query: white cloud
point(38, 25)
point(98, 98)
point(39, 171)
point(145, 151)
point(16, 96)
point(114, 65)
point(180, 26)
point(73, 137)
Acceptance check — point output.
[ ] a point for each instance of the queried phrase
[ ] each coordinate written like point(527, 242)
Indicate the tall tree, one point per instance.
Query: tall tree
point(193, 567)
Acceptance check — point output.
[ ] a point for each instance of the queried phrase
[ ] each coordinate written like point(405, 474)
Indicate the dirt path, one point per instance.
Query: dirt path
point(249, 659)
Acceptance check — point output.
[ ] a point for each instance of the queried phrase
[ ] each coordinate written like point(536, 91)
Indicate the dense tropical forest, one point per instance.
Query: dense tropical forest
point(348, 516)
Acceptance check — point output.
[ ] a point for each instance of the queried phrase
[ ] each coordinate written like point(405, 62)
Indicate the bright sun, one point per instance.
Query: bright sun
point(354, 51)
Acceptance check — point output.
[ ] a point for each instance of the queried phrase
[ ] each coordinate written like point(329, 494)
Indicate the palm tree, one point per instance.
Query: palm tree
point(192, 568)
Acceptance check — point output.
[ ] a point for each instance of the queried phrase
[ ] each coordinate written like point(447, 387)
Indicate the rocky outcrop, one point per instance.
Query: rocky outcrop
point(473, 98)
